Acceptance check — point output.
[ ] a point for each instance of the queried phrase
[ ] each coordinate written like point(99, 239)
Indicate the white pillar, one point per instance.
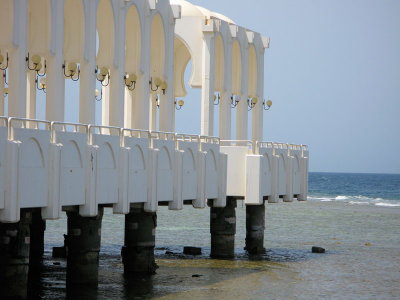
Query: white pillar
point(258, 110)
point(207, 92)
point(242, 119)
point(31, 95)
point(55, 81)
point(2, 93)
point(153, 112)
point(141, 103)
point(225, 111)
point(87, 84)
point(17, 69)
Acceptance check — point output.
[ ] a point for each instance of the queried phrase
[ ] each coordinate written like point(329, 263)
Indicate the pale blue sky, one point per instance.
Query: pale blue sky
point(333, 72)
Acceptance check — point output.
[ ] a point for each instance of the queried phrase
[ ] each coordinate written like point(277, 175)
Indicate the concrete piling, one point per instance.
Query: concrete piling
point(138, 251)
point(14, 257)
point(37, 229)
point(223, 229)
point(255, 226)
point(83, 244)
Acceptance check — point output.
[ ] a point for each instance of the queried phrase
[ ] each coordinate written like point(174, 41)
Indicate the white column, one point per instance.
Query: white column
point(1, 93)
point(31, 95)
point(258, 110)
point(55, 82)
point(153, 112)
point(225, 119)
point(167, 110)
point(87, 84)
point(207, 92)
point(105, 104)
point(117, 84)
point(17, 69)
point(242, 118)
point(141, 104)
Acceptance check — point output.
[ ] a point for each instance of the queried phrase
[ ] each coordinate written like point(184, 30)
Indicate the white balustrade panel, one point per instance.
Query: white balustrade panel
point(108, 155)
point(138, 162)
point(3, 145)
point(165, 165)
point(190, 169)
point(211, 169)
point(33, 162)
point(72, 167)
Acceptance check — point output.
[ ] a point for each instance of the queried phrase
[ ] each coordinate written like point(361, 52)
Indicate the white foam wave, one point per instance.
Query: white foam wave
point(387, 204)
point(358, 200)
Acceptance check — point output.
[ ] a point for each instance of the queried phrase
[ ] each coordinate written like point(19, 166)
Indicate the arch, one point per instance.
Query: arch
point(106, 157)
point(253, 71)
point(133, 40)
point(39, 26)
point(72, 157)
point(32, 154)
point(157, 47)
point(219, 63)
point(138, 160)
point(182, 56)
point(74, 30)
point(164, 159)
point(189, 163)
point(6, 22)
point(267, 162)
point(236, 68)
point(211, 161)
point(105, 29)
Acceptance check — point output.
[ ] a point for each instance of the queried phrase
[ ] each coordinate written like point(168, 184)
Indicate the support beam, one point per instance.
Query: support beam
point(223, 229)
point(255, 226)
point(37, 228)
point(83, 244)
point(140, 237)
point(14, 257)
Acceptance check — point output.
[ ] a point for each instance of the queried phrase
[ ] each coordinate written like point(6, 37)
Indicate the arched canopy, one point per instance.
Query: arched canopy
point(219, 63)
point(236, 68)
point(6, 22)
point(182, 57)
point(105, 30)
point(39, 26)
point(157, 48)
point(74, 30)
point(133, 42)
point(253, 72)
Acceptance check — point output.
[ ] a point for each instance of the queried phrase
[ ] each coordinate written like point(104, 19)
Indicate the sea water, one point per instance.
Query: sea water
point(355, 217)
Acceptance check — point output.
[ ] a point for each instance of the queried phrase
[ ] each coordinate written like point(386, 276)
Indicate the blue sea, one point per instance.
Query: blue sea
point(356, 189)
point(355, 217)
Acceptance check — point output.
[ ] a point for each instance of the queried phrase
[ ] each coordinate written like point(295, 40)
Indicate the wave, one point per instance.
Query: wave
point(357, 200)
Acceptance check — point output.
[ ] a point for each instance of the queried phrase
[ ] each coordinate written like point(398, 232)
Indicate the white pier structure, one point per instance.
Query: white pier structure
point(135, 52)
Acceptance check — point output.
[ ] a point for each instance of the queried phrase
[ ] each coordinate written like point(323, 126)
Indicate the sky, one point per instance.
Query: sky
point(333, 74)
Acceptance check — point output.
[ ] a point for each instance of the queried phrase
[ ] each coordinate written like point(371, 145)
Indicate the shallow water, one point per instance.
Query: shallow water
point(362, 259)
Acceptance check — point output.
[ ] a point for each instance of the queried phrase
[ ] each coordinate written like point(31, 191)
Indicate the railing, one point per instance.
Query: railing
point(103, 130)
point(67, 127)
point(210, 140)
point(27, 124)
point(4, 121)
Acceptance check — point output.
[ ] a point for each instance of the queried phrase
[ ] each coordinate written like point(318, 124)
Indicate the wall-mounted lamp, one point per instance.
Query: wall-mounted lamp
point(71, 70)
point(157, 82)
point(267, 104)
point(37, 65)
point(235, 99)
point(130, 81)
point(5, 77)
point(179, 104)
point(98, 94)
point(251, 102)
point(217, 99)
point(102, 74)
point(5, 92)
point(3, 68)
point(41, 85)
point(164, 86)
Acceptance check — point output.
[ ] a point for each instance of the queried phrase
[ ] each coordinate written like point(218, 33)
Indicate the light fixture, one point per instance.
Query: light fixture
point(157, 82)
point(267, 104)
point(179, 104)
point(102, 74)
point(164, 86)
point(41, 84)
point(37, 65)
point(157, 101)
point(98, 94)
point(217, 99)
point(2, 61)
point(5, 92)
point(235, 99)
point(251, 102)
point(130, 81)
point(5, 77)
point(71, 70)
